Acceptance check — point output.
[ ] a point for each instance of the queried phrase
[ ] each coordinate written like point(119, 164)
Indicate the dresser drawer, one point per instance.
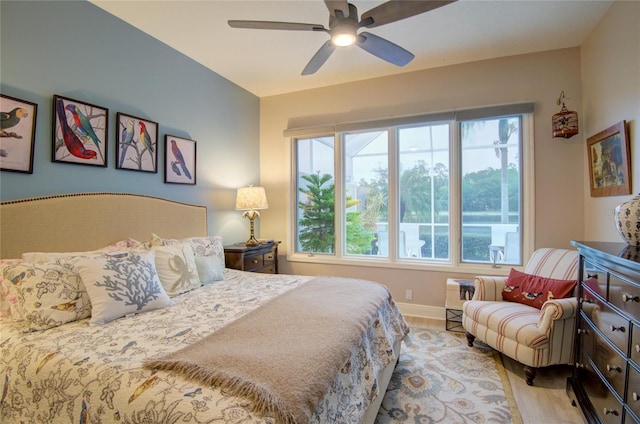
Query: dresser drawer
point(635, 344)
point(610, 364)
point(625, 295)
point(604, 402)
point(595, 277)
point(614, 326)
point(633, 392)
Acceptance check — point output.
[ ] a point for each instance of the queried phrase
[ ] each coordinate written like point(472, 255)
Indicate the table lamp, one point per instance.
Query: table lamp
point(250, 199)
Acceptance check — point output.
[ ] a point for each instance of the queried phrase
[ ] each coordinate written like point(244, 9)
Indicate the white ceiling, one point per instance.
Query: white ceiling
point(269, 62)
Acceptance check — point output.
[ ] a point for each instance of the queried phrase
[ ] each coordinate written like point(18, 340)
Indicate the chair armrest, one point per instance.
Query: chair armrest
point(488, 287)
point(557, 309)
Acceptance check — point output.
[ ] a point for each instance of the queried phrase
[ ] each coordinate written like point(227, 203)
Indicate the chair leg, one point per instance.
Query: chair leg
point(470, 338)
point(530, 374)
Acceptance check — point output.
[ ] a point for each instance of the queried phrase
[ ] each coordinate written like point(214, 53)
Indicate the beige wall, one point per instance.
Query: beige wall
point(534, 77)
point(611, 93)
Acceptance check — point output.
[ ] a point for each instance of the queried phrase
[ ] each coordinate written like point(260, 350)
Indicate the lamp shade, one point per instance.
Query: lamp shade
point(249, 198)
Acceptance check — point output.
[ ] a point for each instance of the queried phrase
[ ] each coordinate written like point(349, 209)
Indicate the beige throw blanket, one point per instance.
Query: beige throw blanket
point(284, 355)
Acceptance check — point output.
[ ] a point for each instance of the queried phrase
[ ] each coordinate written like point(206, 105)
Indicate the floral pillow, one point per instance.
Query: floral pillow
point(122, 284)
point(9, 307)
point(52, 256)
point(176, 267)
point(48, 294)
point(208, 251)
point(534, 290)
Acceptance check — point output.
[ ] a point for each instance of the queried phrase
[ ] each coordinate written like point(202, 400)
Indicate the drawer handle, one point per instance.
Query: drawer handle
point(254, 261)
point(614, 368)
point(269, 257)
point(630, 298)
point(587, 300)
point(638, 348)
point(608, 411)
point(635, 396)
point(620, 329)
point(580, 365)
point(584, 331)
point(592, 276)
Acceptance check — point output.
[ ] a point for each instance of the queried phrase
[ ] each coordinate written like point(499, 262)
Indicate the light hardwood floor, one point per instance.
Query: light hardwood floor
point(544, 402)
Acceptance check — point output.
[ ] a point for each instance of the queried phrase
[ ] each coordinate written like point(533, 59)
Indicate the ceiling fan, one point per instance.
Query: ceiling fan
point(344, 24)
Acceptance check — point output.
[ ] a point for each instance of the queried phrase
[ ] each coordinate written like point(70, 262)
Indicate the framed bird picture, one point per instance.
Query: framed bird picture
point(136, 144)
point(17, 134)
point(79, 132)
point(180, 160)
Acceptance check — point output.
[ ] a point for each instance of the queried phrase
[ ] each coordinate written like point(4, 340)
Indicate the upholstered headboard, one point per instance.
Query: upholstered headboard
point(86, 221)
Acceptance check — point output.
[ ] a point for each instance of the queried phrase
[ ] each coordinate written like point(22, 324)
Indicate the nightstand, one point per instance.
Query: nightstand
point(261, 258)
point(458, 292)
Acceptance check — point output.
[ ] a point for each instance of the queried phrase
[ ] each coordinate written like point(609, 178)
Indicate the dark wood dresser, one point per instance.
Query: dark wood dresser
point(261, 258)
point(606, 379)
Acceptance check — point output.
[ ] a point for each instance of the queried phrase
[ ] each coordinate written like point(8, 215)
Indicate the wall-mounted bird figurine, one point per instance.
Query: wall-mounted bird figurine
point(70, 139)
point(179, 159)
point(10, 120)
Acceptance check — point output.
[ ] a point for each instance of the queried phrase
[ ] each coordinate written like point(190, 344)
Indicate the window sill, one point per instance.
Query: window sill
point(405, 264)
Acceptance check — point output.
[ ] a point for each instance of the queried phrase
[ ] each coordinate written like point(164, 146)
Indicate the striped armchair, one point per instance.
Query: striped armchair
point(534, 337)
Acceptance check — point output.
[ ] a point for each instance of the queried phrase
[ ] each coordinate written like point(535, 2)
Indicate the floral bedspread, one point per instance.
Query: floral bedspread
point(77, 373)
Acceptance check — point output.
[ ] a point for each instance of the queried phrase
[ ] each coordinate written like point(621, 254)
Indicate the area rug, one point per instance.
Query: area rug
point(439, 379)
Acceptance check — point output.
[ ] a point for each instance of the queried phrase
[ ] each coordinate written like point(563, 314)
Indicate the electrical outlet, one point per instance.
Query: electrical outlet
point(408, 294)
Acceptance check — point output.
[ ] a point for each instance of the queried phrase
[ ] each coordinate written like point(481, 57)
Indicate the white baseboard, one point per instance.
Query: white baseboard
point(422, 311)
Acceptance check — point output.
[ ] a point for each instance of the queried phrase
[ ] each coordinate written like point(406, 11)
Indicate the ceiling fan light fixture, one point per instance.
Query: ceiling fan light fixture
point(344, 39)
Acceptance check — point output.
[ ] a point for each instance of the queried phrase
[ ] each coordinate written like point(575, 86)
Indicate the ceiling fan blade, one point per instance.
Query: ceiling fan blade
point(340, 5)
point(384, 49)
point(395, 10)
point(319, 58)
point(290, 26)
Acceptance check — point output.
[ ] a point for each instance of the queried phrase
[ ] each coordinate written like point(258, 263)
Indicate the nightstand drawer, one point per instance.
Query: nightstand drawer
point(253, 262)
point(271, 269)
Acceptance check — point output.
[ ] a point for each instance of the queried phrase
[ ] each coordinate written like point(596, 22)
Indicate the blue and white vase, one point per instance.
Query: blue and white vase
point(627, 216)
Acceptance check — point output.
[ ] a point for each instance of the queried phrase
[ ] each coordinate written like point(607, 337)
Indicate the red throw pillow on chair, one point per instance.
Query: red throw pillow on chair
point(533, 290)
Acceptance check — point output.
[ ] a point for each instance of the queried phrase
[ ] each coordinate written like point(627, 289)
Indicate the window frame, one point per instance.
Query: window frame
point(393, 125)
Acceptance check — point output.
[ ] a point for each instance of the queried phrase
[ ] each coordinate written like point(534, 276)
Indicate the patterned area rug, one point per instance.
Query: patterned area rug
point(440, 380)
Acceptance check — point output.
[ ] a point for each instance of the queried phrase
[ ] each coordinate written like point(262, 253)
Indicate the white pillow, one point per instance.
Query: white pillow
point(208, 251)
point(210, 268)
point(122, 284)
point(176, 268)
point(49, 294)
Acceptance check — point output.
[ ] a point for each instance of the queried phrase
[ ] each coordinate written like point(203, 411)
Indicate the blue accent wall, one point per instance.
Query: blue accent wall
point(77, 50)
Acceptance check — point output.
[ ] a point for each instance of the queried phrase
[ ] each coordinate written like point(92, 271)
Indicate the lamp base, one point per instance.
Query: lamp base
point(252, 241)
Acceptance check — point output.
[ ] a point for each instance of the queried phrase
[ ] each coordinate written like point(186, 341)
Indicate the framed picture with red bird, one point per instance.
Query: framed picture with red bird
point(79, 132)
point(136, 143)
point(180, 160)
point(17, 134)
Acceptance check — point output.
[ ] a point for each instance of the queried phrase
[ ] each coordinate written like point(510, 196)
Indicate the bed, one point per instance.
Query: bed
point(111, 364)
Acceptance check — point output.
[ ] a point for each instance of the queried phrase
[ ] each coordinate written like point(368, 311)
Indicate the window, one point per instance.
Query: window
point(442, 189)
